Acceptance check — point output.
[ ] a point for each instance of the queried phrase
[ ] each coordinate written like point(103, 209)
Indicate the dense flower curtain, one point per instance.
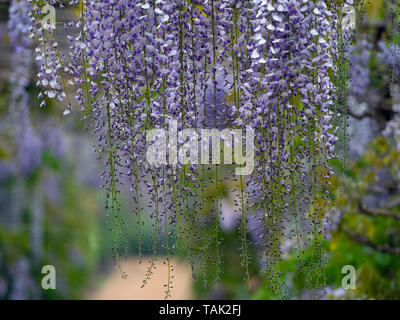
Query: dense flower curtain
point(274, 68)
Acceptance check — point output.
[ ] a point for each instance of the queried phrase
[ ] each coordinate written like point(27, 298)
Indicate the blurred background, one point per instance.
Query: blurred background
point(52, 207)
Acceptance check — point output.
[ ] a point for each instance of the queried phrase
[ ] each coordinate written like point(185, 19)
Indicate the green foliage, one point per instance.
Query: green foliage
point(70, 230)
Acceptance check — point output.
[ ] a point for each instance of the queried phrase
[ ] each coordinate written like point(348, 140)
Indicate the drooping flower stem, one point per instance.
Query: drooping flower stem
point(214, 78)
point(83, 39)
point(114, 201)
point(237, 95)
point(164, 177)
point(341, 81)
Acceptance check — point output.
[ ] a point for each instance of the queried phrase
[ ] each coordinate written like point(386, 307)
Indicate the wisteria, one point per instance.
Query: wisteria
point(236, 65)
point(27, 143)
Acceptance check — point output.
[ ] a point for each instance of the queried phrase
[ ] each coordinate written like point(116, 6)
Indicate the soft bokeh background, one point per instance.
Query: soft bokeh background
point(54, 213)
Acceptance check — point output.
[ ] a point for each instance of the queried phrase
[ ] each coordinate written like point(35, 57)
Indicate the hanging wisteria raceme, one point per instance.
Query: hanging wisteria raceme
point(289, 102)
point(28, 147)
point(348, 16)
point(47, 54)
point(150, 75)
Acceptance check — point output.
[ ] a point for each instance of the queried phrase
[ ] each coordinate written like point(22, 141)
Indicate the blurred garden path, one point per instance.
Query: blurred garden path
point(116, 288)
